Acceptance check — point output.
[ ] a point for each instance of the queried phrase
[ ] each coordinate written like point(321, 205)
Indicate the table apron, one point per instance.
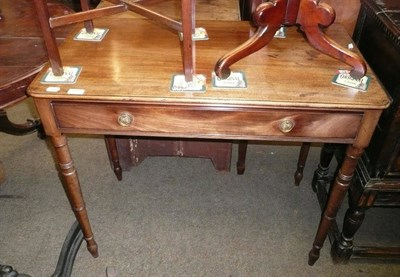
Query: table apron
point(205, 121)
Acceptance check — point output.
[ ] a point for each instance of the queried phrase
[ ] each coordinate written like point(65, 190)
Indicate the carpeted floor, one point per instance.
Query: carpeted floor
point(173, 216)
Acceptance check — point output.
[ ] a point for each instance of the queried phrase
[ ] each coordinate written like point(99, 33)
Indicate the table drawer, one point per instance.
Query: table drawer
point(206, 122)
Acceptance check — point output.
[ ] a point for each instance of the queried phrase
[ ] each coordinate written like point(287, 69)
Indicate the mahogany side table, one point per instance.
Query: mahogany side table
point(289, 97)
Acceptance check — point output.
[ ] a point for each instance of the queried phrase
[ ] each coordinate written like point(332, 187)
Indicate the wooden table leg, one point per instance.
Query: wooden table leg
point(241, 162)
point(339, 189)
point(111, 145)
point(342, 181)
point(298, 175)
point(73, 190)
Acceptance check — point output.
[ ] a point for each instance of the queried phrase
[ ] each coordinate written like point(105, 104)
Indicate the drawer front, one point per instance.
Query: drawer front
point(203, 122)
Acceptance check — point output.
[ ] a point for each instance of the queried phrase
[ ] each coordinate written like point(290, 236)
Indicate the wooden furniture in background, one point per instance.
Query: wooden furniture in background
point(20, 31)
point(346, 12)
point(132, 151)
point(271, 108)
point(377, 182)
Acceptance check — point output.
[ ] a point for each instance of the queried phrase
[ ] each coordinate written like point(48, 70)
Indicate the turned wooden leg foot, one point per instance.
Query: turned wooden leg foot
point(92, 248)
point(313, 256)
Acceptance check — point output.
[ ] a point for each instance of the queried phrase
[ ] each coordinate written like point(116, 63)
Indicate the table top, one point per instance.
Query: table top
point(22, 52)
point(137, 58)
point(205, 9)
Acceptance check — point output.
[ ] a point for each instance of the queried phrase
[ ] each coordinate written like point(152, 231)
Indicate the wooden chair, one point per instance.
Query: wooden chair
point(185, 26)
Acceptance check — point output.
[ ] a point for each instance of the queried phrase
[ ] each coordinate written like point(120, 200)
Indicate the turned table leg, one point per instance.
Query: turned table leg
point(73, 190)
point(112, 150)
point(339, 189)
point(298, 175)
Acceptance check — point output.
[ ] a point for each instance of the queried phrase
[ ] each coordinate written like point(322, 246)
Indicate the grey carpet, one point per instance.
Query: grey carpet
point(173, 216)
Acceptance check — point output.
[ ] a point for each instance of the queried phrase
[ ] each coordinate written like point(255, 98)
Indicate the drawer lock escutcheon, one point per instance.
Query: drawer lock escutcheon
point(125, 119)
point(286, 125)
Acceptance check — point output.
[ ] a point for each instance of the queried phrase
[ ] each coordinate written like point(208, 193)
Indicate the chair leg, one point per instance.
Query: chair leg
point(298, 175)
point(89, 23)
point(49, 37)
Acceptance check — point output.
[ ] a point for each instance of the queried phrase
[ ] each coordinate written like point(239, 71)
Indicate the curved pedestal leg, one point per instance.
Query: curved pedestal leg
point(11, 128)
point(73, 190)
point(339, 189)
point(268, 16)
point(311, 16)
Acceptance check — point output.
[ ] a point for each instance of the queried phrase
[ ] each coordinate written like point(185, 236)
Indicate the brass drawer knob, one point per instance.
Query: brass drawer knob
point(125, 119)
point(286, 125)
